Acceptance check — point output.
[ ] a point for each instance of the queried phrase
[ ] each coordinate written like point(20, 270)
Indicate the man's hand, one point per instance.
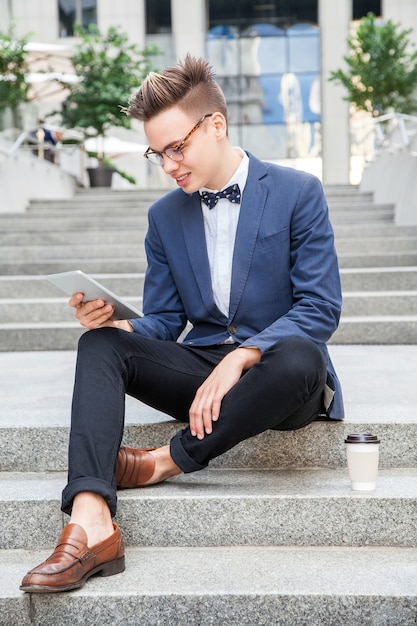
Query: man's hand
point(96, 314)
point(205, 408)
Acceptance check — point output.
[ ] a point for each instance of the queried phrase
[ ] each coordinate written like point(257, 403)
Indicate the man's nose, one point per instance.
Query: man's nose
point(169, 165)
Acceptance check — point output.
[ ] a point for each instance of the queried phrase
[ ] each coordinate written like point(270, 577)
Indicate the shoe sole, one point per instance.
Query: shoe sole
point(106, 569)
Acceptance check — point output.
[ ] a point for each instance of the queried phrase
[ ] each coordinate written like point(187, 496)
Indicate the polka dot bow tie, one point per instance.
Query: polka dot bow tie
point(232, 194)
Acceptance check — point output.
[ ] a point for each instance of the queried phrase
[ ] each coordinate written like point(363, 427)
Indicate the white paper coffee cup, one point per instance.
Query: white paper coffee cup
point(363, 457)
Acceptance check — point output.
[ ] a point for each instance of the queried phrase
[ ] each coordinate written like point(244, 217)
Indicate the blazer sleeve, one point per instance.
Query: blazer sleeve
point(314, 272)
point(165, 317)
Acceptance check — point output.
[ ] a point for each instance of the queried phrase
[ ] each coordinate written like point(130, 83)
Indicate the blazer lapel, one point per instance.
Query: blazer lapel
point(251, 211)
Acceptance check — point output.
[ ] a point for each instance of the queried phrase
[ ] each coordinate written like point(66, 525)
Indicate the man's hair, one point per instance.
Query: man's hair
point(190, 85)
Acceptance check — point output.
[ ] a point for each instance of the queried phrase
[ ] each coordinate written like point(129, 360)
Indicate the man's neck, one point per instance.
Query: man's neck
point(228, 165)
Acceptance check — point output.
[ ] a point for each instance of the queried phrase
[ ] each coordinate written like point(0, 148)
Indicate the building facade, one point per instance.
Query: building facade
point(271, 59)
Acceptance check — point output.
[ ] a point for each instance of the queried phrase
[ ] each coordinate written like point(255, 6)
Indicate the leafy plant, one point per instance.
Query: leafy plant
point(14, 90)
point(109, 68)
point(381, 70)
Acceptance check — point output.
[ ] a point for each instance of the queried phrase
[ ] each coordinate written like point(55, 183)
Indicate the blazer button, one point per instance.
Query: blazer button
point(232, 330)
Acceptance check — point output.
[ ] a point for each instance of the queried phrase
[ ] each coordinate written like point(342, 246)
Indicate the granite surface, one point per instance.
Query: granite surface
point(248, 586)
point(218, 507)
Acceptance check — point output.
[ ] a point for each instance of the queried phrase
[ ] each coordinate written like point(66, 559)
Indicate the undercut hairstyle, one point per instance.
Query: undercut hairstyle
point(190, 85)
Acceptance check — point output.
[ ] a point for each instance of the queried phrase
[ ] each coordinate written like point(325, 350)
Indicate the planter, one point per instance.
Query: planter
point(100, 176)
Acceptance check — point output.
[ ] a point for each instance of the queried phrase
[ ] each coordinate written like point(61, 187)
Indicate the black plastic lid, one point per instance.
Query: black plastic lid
point(361, 438)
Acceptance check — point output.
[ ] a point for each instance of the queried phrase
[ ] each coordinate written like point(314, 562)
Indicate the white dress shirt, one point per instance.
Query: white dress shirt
point(220, 224)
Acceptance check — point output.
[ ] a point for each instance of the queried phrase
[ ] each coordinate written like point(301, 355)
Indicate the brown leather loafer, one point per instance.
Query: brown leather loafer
point(73, 562)
point(134, 467)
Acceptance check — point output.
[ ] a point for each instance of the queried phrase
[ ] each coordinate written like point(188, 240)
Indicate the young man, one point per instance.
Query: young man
point(253, 269)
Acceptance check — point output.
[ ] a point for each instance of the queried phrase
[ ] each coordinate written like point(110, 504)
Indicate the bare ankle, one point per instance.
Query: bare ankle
point(164, 466)
point(90, 511)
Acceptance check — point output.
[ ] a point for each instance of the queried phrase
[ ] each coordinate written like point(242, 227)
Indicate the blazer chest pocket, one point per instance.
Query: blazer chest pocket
point(277, 240)
point(271, 257)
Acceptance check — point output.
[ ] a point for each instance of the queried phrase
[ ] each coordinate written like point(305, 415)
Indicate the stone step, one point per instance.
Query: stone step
point(120, 219)
point(66, 208)
point(79, 237)
point(28, 286)
point(27, 444)
point(387, 279)
point(329, 189)
point(72, 251)
point(39, 336)
point(377, 259)
point(351, 200)
point(57, 223)
point(26, 265)
point(391, 303)
point(79, 243)
point(352, 331)
point(378, 385)
point(109, 265)
point(103, 192)
point(314, 507)
point(346, 236)
point(100, 194)
point(336, 192)
point(344, 189)
point(358, 207)
point(379, 245)
point(39, 310)
point(237, 586)
point(342, 194)
point(370, 231)
point(355, 206)
point(379, 279)
point(363, 215)
point(340, 211)
point(369, 330)
point(20, 310)
point(91, 202)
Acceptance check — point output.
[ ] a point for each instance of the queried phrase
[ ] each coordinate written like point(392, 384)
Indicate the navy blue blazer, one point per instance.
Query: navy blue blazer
point(285, 276)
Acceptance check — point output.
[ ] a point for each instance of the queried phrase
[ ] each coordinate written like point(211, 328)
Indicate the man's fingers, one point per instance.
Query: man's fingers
point(76, 299)
point(204, 410)
point(90, 314)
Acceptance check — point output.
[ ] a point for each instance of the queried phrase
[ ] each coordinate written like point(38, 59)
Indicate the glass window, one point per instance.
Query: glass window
point(303, 48)
point(243, 13)
point(268, 65)
point(282, 13)
point(266, 55)
point(363, 7)
point(72, 12)
point(158, 16)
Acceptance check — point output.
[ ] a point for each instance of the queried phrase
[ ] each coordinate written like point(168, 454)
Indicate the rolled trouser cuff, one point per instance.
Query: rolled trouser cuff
point(180, 456)
point(91, 484)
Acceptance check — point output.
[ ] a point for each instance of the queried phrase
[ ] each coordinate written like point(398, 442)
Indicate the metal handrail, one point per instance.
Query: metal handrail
point(26, 135)
point(382, 132)
point(25, 143)
point(15, 146)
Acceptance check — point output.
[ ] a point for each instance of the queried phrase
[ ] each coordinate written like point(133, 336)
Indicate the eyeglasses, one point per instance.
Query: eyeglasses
point(173, 152)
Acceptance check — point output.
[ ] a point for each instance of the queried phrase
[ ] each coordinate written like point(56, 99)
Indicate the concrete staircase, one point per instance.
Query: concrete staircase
point(102, 234)
point(271, 534)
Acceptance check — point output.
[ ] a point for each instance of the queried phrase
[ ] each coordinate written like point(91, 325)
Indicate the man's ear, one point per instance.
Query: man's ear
point(220, 125)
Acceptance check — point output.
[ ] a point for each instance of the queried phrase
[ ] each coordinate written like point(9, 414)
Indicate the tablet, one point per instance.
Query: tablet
point(76, 281)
